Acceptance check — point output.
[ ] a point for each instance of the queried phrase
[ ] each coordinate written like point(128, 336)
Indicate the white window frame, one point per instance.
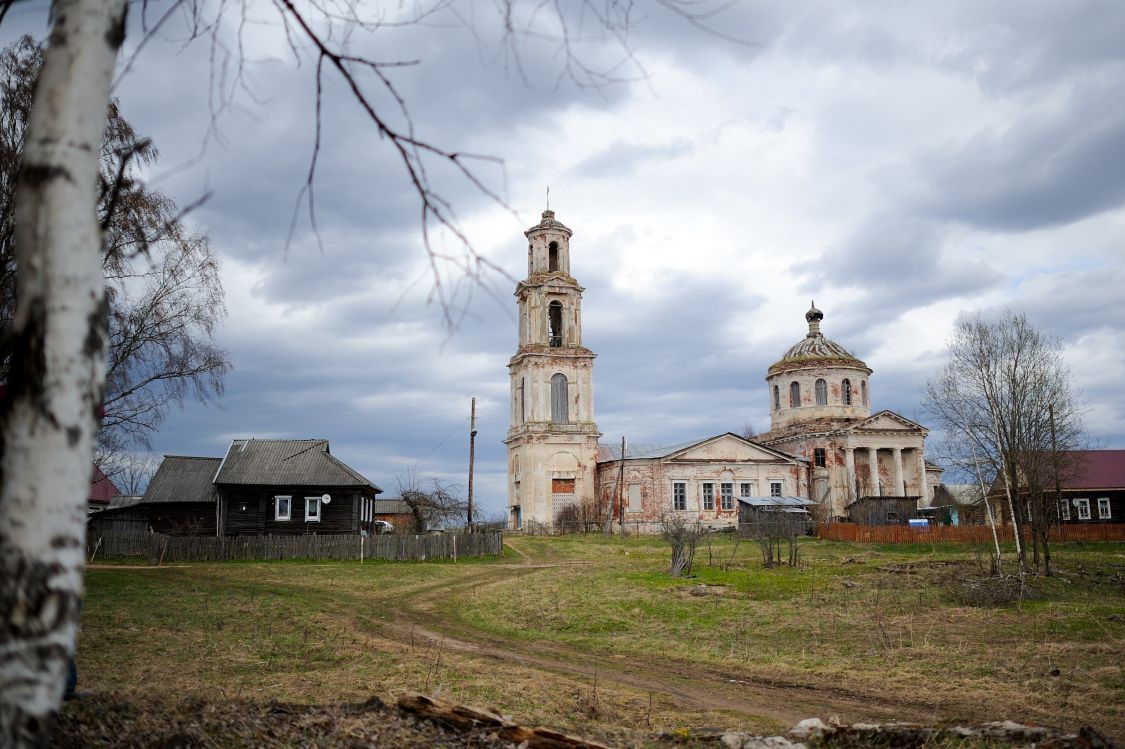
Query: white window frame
point(1083, 508)
point(708, 495)
point(1064, 509)
point(277, 516)
point(679, 500)
point(726, 495)
point(309, 502)
point(777, 489)
point(1107, 514)
point(745, 485)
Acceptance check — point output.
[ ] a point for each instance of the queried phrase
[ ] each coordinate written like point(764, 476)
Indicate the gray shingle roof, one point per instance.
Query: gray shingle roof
point(182, 479)
point(286, 463)
point(391, 506)
point(777, 503)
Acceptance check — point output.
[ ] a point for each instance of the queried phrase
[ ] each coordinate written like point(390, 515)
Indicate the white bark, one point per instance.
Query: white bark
point(58, 368)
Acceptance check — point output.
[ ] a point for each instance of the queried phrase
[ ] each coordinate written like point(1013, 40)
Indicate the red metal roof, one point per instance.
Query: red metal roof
point(1100, 469)
point(101, 488)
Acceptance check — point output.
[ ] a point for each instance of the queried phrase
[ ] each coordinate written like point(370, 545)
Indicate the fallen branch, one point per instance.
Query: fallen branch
point(465, 718)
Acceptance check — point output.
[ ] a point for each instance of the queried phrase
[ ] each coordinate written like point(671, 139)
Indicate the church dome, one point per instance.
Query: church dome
point(815, 349)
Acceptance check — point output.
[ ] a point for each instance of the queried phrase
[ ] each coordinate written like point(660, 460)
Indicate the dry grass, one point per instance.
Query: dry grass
point(342, 632)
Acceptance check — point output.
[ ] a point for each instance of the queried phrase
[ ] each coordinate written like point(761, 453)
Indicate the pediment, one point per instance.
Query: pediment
point(729, 448)
point(888, 421)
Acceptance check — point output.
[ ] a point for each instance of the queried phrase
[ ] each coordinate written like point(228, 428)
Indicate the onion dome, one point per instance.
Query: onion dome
point(814, 349)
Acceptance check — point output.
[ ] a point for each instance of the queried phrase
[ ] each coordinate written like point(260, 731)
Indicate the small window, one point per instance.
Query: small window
point(1064, 509)
point(523, 399)
point(776, 398)
point(794, 394)
point(775, 488)
point(726, 496)
point(708, 496)
point(560, 406)
point(846, 392)
point(553, 257)
point(1083, 509)
point(312, 509)
point(820, 457)
point(892, 517)
point(746, 490)
point(821, 393)
point(555, 324)
point(679, 496)
point(1103, 508)
point(282, 508)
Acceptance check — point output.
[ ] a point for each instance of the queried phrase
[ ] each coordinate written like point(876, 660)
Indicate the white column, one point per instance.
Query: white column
point(900, 486)
point(873, 475)
point(849, 462)
point(923, 487)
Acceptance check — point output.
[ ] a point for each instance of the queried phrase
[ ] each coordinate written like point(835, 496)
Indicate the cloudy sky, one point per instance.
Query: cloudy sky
point(902, 163)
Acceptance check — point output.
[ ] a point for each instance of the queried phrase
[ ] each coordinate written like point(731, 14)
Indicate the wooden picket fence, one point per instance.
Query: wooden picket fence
point(156, 548)
point(901, 534)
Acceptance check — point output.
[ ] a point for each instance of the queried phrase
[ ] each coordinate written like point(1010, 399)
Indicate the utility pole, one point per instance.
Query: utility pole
point(472, 457)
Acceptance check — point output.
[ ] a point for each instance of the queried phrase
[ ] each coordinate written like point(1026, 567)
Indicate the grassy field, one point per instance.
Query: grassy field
point(590, 633)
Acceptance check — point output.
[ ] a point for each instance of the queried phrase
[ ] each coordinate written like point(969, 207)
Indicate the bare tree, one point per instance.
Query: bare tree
point(432, 503)
point(1005, 400)
point(583, 516)
point(163, 291)
point(59, 335)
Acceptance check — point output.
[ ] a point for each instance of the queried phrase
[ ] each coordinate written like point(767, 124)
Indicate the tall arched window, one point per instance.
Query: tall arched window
point(863, 391)
point(794, 394)
point(523, 399)
point(554, 324)
point(776, 398)
point(559, 410)
point(553, 257)
point(821, 393)
point(846, 391)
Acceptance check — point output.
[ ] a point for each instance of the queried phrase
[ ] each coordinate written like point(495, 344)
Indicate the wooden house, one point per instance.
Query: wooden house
point(283, 487)
point(874, 510)
point(1091, 489)
point(102, 491)
point(180, 501)
point(774, 516)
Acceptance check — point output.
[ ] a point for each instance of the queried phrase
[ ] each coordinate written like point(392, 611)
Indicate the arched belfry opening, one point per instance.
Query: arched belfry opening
point(555, 324)
point(553, 257)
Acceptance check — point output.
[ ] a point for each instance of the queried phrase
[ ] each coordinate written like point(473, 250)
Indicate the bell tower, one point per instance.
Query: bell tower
point(552, 441)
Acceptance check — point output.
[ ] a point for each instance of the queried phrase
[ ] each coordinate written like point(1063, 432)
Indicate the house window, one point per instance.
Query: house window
point(312, 509)
point(794, 394)
point(726, 496)
point(892, 517)
point(821, 393)
point(708, 496)
point(679, 496)
point(1103, 508)
point(282, 508)
point(554, 323)
point(553, 257)
point(1083, 509)
point(820, 458)
point(1064, 509)
point(776, 398)
point(775, 488)
point(559, 406)
point(746, 490)
point(846, 392)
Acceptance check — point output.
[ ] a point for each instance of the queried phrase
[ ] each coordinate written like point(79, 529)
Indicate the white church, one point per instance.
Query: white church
point(824, 443)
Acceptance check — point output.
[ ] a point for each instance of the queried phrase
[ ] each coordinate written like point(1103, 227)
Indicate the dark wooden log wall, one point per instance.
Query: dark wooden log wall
point(249, 510)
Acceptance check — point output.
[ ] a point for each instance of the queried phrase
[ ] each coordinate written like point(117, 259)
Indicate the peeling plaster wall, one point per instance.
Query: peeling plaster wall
point(808, 409)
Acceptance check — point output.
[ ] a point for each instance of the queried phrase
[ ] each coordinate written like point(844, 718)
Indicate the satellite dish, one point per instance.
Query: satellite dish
point(1075, 501)
point(327, 498)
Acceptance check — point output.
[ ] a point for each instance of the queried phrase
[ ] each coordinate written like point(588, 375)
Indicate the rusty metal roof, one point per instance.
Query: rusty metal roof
point(286, 463)
point(182, 478)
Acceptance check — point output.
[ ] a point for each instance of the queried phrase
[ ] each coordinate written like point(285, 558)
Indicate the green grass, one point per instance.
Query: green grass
point(877, 620)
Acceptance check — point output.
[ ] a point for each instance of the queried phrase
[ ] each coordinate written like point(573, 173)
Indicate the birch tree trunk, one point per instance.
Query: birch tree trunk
point(57, 369)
